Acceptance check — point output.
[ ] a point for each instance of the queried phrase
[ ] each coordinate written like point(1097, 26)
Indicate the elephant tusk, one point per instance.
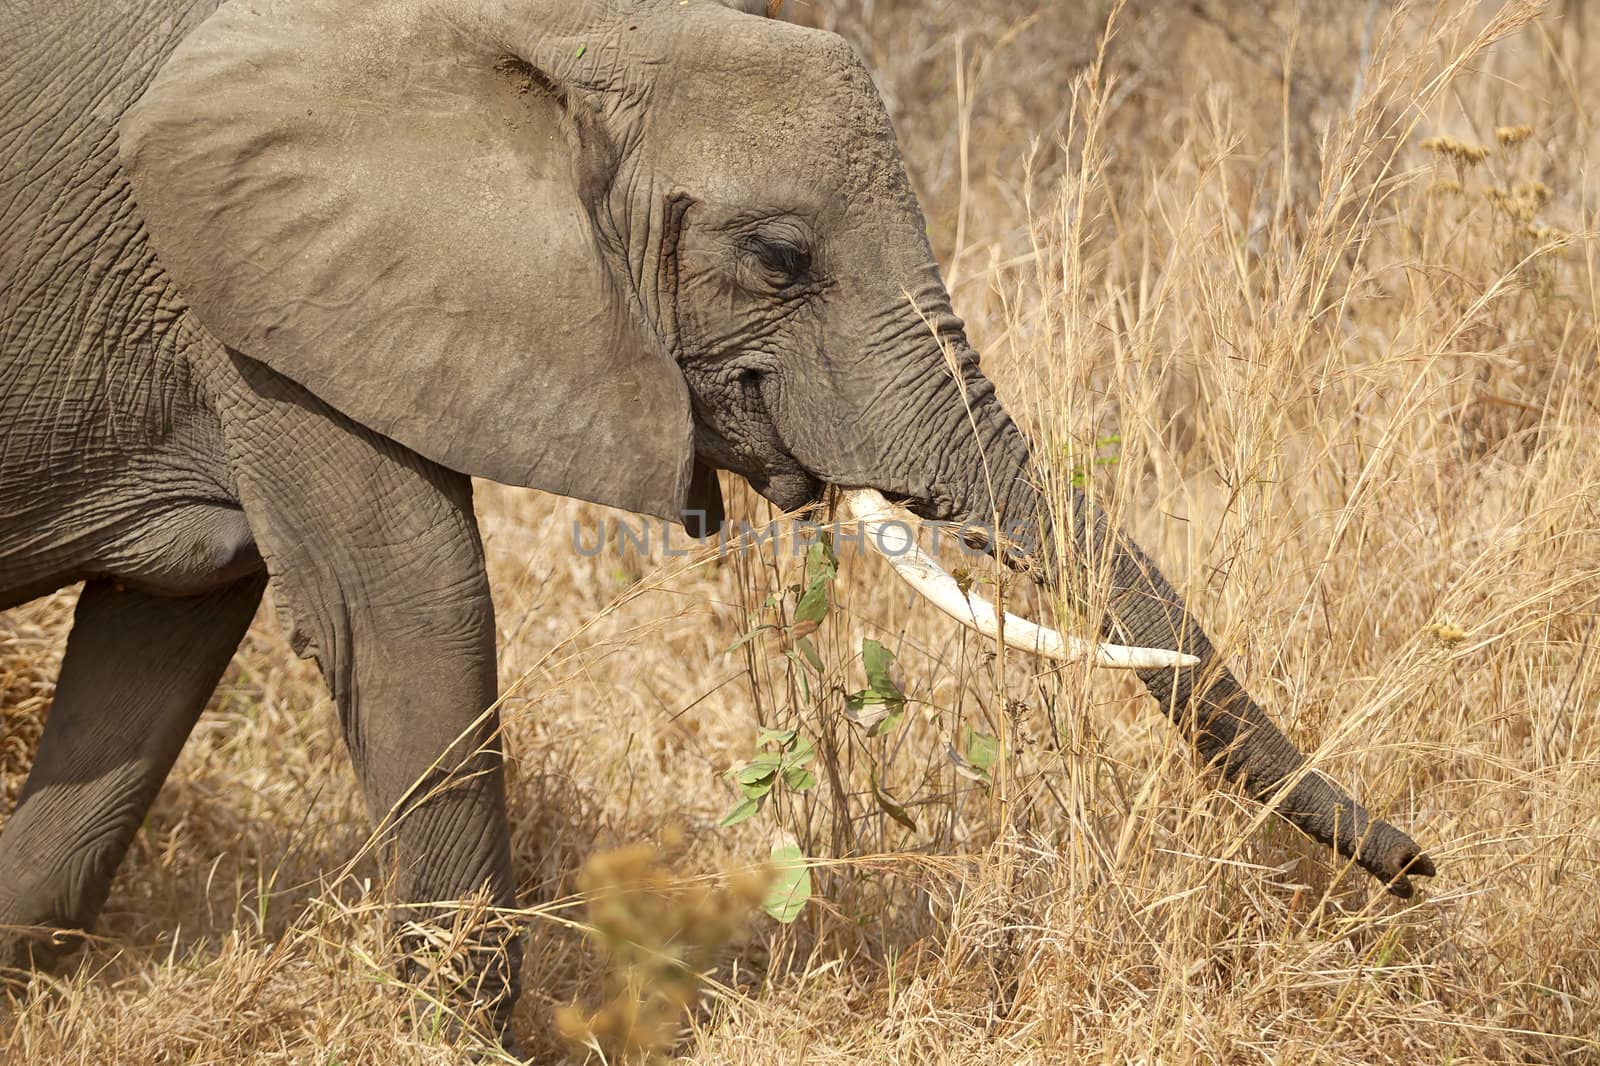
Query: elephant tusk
point(890, 535)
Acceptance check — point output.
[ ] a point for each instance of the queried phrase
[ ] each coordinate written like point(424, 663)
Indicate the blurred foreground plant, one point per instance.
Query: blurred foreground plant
point(658, 933)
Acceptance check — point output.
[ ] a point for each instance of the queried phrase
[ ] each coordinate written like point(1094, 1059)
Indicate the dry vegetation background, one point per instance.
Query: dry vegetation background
point(1353, 373)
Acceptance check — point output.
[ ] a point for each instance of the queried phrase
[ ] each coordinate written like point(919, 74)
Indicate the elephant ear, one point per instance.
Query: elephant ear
point(402, 206)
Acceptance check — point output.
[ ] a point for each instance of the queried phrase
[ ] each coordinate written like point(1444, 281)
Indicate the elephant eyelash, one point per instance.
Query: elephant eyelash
point(782, 257)
point(773, 264)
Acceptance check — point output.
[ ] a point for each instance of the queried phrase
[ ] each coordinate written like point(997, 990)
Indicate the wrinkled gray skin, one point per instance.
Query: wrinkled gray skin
point(266, 313)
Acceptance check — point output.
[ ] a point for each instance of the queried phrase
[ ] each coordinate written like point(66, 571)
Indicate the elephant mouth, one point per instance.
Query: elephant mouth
point(741, 436)
point(789, 486)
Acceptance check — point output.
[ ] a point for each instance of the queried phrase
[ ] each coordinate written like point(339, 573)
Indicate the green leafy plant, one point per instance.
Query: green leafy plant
point(782, 755)
point(880, 707)
point(982, 752)
point(782, 762)
point(791, 883)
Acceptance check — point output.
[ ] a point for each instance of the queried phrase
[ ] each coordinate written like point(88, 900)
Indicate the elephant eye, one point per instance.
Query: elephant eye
point(781, 262)
point(784, 258)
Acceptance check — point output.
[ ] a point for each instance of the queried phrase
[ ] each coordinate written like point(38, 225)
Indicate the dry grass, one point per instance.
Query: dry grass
point(1353, 373)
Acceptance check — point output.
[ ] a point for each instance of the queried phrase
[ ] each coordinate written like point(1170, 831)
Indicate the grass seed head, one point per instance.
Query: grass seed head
point(1534, 190)
point(1513, 135)
point(1458, 152)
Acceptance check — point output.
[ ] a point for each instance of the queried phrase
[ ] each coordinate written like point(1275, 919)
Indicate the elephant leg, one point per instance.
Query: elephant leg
point(138, 670)
point(378, 573)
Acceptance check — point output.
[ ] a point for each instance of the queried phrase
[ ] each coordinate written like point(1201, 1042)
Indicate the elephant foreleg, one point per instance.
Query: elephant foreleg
point(138, 670)
point(379, 575)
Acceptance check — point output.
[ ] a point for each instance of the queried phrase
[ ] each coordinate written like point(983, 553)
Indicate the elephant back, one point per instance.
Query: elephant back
point(85, 310)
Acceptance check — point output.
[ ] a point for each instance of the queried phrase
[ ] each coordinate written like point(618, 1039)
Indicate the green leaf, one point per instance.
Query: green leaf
point(865, 708)
point(813, 605)
point(740, 811)
point(763, 765)
point(800, 674)
point(880, 708)
point(806, 649)
point(791, 884)
point(758, 789)
point(982, 750)
point(874, 712)
point(799, 779)
point(879, 664)
point(781, 737)
point(964, 765)
point(889, 806)
point(890, 722)
point(747, 638)
point(756, 778)
point(821, 564)
point(801, 753)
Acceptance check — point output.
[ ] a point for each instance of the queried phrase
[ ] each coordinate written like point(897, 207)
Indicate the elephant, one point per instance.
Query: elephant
point(282, 276)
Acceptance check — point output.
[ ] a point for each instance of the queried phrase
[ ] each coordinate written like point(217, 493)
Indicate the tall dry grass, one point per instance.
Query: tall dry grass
point(1345, 380)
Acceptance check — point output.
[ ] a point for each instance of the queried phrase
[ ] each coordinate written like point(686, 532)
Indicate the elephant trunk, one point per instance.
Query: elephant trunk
point(1142, 609)
point(1228, 727)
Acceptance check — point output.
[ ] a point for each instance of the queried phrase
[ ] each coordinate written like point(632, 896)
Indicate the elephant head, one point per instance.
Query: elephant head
point(600, 247)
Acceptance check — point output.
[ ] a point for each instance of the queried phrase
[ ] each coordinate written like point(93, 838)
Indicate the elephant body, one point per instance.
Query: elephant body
point(141, 456)
point(280, 276)
point(112, 464)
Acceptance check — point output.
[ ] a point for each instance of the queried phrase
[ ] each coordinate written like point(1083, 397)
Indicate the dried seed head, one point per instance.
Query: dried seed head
point(1544, 234)
point(1518, 208)
point(1458, 152)
point(1511, 135)
point(1537, 191)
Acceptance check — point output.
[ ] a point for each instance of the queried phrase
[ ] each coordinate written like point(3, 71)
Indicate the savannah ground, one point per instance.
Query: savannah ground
point(1242, 271)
